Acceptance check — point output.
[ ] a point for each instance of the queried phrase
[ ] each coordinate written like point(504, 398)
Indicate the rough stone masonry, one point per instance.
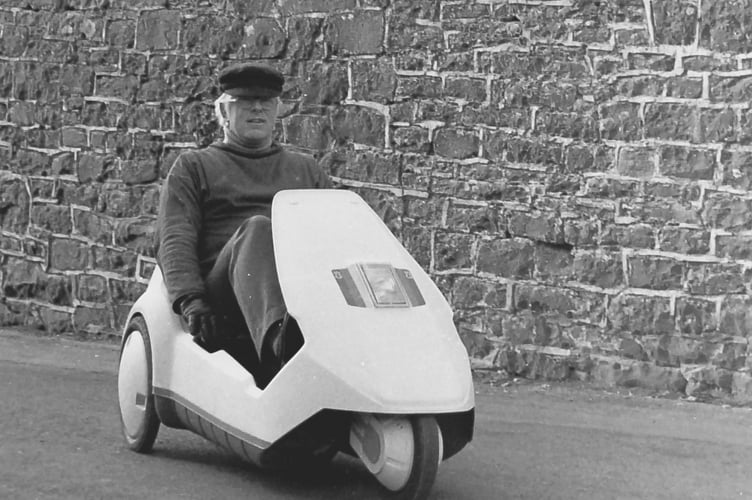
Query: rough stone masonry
point(575, 174)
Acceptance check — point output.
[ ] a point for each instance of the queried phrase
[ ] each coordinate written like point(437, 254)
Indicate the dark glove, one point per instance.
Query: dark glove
point(202, 322)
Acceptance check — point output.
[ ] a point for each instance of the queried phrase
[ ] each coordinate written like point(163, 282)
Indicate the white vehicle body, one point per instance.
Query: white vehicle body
point(367, 350)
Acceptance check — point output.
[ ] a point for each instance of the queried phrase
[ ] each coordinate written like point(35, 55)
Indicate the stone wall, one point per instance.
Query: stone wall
point(575, 174)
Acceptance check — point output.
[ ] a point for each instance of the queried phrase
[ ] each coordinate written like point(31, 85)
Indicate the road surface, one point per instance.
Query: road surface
point(60, 439)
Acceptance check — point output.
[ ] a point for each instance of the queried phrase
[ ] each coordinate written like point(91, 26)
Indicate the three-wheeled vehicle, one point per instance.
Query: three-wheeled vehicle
point(378, 372)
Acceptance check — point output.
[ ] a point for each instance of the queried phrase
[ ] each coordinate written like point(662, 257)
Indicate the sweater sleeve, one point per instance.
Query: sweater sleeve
point(178, 227)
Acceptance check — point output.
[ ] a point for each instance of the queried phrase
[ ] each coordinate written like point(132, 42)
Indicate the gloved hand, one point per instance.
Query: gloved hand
point(202, 322)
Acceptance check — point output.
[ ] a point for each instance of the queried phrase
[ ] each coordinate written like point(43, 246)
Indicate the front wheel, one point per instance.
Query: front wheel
point(402, 452)
point(138, 416)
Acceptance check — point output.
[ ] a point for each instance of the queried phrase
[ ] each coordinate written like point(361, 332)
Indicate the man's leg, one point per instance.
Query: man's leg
point(243, 282)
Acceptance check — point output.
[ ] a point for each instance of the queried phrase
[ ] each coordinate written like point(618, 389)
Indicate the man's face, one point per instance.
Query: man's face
point(252, 119)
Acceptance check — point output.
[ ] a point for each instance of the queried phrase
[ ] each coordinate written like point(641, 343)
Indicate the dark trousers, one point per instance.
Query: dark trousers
point(243, 286)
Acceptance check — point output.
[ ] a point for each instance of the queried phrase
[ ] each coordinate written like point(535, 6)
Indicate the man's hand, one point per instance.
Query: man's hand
point(202, 322)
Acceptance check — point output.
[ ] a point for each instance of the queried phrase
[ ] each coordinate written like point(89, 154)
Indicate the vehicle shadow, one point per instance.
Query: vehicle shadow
point(344, 478)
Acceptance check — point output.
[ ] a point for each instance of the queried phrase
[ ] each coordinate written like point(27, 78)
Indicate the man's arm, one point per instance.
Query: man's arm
point(178, 227)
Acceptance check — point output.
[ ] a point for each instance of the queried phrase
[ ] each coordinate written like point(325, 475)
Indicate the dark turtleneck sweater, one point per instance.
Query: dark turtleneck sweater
point(208, 194)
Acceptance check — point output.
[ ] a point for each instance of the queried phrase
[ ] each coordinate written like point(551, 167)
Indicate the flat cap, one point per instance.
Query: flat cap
point(250, 80)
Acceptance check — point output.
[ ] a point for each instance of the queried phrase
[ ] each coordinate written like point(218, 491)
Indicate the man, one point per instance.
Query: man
point(215, 245)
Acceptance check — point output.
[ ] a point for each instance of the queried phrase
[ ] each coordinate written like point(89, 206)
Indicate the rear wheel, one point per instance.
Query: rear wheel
point(138, 416)
point(402, 452)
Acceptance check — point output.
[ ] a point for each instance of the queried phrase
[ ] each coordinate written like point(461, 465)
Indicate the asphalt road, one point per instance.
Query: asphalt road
point(60, 439)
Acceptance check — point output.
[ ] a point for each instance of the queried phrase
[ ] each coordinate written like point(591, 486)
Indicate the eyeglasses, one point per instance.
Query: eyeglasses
point(249, 102)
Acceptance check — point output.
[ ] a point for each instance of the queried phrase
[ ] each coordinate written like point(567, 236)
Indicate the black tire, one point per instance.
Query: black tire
point(426, 458)
point(142, 440)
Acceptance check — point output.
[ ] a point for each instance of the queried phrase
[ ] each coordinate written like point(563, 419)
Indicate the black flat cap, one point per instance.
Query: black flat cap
point(251, 80)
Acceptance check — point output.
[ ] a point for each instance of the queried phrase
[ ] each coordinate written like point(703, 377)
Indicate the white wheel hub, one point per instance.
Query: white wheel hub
point(133, 383)
point(386, 446)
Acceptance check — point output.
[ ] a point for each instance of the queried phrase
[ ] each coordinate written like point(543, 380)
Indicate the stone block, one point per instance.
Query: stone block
point(656, 273)
point(731, 88)
point(93, 321)
point(709, 62)
point(373, 80)
point(139, 171)
point(373, 166)
point(716, 278)
point(572, 125)
point(93, 226)
point(473, 220)
point(620, 372)
point(467, 89)
point(726, 211)
point(117, 261)
point(640, 315)
point(680, 122)
point(481, 32)
point(538, 226)
point(684, 240)
point(302, 33)
point(360, 125)
point(589, 158)
point(74, 137)
point(684, 88)
point(736, 316)
point(453, 251)
point(121, 87)
point(707, 380)
point(599, 268)
point(722, 26)
point(456, 143)
point(508, 258)
point(633, 86)
point(425, 211)
point(416, 87)
point(476, 293)
point(717, 125)
point(637, 162)
point(92, 288)
point(26, 280)
point(411, 139)
point(741, 387)
point(560, 303)
point(650, 61)
point(121, 33)
point(14, 205)
point(52, 218)
point(696, 316)
point(734, 247)
point(737, 168)
point(357, 33)
point(30, 81)
point(68, 255)
point(95, 167)
point(308, 131)
point(158, 30)
point(325, 84)
point(126, 291)
point(14, 40)
point(138, 235)
point(553, 263)
point(55, 322)
point(688, 163)
point(265, 38)
point(223, 36)
point(620, 121)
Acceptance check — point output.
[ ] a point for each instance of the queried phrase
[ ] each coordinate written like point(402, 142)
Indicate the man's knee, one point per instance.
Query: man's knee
point(257, 228)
